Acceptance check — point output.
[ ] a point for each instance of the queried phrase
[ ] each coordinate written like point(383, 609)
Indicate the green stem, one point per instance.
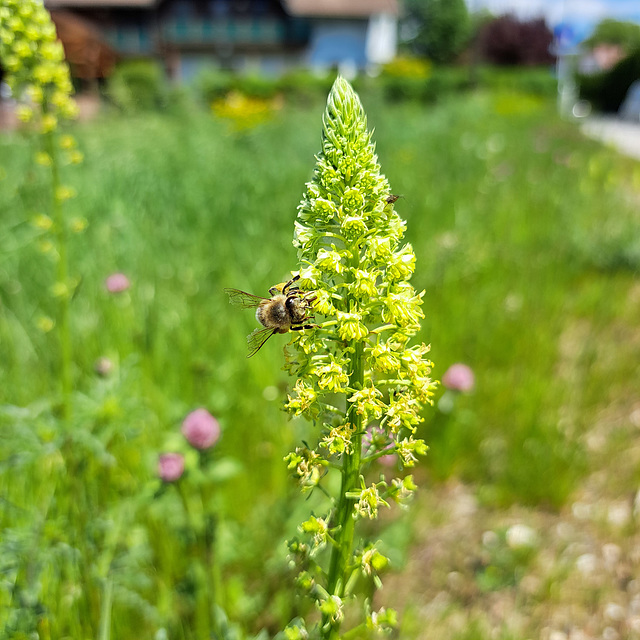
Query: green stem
point(210, 539)
point(345, 523)
point(62, 275)
point(214, 578)
point(104, 630)
point(200, 547)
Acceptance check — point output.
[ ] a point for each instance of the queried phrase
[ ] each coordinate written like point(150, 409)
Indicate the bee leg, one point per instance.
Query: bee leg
point(302, 327)
point(287, 286)
point(294, 292)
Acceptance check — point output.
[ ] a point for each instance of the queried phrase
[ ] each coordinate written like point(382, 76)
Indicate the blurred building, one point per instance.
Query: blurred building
point(267, 36)
point(350, 34)
point(87, 52)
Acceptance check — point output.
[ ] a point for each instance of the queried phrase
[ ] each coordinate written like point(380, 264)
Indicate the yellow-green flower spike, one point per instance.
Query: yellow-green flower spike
point(356, 368)
point(39, 79)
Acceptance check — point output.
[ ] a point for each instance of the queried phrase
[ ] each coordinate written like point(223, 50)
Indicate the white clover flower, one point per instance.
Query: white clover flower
point(521, 536)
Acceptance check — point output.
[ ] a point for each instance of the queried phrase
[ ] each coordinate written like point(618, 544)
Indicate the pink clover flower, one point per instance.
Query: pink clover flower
point(201, 429)
point(170, 466)
point(459, 377)
point(117, 283)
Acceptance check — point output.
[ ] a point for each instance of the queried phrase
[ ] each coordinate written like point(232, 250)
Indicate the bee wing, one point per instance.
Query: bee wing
point(243, 299)
point(257, 338)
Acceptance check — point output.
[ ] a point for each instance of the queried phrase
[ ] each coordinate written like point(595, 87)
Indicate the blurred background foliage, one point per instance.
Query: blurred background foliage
point(610, 31)
point(526, 237)
point(526, 240)
point(607, 90)
point(437, 29)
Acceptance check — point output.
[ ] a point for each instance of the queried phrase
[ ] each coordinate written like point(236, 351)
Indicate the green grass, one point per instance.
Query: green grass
point(526, 237)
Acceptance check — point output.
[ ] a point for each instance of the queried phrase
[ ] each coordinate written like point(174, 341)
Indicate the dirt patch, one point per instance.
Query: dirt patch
point(477, 572)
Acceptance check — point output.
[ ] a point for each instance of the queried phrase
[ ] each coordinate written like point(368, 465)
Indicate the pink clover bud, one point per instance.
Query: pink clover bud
point(459, 377)
point(117, 283)
point(170, 466)
point(201, 429)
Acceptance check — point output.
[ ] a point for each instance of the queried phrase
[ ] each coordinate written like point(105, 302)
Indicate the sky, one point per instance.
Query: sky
point(581, 15)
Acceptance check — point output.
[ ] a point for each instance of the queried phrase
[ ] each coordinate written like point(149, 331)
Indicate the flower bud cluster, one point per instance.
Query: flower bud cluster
point(34, 59)
point(350, 244)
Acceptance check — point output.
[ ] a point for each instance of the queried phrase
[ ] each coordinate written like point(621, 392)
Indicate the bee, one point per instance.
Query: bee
point(288, 309)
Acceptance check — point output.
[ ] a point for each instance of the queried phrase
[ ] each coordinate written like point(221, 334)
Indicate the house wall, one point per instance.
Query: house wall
point(382, 38)
point(187, 35)
point(354, 43)
point(251, 35)
point(337, 43)
point(243, 35)
point(185, 66)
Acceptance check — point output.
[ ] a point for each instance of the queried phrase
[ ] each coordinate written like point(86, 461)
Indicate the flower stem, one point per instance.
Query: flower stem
point(62, 276)
point(345, 523)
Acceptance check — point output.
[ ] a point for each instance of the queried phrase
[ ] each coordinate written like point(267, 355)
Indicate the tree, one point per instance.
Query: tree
point(509, 41)
point(609, 31)
point(438, 29)
point(607, 90)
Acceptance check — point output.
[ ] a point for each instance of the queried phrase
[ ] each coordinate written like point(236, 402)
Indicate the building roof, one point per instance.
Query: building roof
point(339, 8)
point(98, 4)
point(86, 52)
point(301, 8)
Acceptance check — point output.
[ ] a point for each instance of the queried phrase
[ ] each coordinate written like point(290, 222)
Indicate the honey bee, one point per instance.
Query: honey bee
point(288, 309)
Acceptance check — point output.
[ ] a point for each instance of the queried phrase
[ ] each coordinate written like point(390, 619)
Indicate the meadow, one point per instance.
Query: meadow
point(526, 237)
